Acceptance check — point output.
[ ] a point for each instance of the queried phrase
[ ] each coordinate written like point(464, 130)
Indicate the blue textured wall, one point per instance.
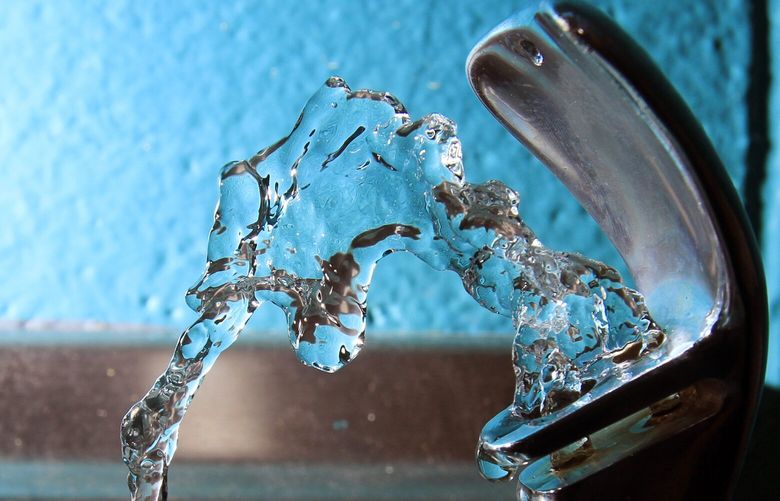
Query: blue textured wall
point(116, 117)
point(771, 202)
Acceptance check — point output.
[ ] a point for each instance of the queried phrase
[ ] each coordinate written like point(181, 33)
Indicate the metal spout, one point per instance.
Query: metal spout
point(587, 101)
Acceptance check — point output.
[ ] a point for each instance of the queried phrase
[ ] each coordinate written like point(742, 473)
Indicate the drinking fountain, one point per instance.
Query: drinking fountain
point(570, 85)
point(620, 393)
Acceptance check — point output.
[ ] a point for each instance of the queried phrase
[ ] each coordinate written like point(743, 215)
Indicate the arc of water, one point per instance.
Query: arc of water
point(302, 225)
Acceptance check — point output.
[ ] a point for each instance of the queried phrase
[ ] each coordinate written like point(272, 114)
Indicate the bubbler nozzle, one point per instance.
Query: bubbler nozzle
point(588, 102)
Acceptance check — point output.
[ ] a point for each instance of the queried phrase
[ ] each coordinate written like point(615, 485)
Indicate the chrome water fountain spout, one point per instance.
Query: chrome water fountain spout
point(587, 101)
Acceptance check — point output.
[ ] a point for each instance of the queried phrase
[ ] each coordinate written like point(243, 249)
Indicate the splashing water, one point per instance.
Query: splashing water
point(302, 225)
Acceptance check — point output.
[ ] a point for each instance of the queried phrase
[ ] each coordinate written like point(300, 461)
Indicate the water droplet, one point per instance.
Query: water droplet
point(532, 52)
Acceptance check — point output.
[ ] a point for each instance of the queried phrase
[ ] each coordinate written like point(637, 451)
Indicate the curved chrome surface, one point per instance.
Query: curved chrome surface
point(575, 90)
point(584, 121)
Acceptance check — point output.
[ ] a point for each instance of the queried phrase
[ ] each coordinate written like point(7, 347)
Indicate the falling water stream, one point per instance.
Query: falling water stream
point(303, 223)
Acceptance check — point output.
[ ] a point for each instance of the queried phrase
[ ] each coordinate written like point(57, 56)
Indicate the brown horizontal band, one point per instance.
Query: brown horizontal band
point(257, 405)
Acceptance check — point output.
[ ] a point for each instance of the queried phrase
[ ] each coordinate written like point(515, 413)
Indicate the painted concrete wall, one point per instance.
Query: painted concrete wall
point(771, 200)
point(116, 117)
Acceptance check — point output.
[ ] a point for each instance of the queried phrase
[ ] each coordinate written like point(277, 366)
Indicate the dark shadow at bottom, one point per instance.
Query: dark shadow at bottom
point(761, 473)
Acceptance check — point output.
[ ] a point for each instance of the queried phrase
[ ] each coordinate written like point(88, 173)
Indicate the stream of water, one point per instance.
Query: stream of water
point(303, 223)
